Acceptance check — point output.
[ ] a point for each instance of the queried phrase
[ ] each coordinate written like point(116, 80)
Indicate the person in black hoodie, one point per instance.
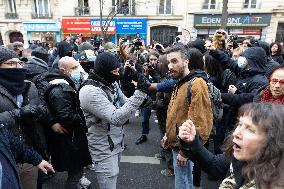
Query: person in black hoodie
point(271, 63)
point(276, 52)
point(250, 69)
point(63, 49)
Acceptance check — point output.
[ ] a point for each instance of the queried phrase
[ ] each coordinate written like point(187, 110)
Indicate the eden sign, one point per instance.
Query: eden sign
point(233, 20)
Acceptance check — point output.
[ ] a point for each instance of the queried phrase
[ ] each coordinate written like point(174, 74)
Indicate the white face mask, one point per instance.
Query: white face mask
point(242, 62)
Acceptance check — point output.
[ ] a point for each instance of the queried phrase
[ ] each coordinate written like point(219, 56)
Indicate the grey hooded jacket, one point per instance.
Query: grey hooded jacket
point(105, 117)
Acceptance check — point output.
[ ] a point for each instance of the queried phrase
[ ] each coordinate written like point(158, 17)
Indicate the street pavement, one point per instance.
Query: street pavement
point(139, 169)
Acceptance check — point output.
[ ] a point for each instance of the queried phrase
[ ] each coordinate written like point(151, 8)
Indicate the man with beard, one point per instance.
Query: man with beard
point(180, 109)
point(106, 109)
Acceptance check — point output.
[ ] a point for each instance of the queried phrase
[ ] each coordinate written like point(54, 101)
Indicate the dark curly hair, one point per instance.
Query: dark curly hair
point(279, 50)
point(267, 168)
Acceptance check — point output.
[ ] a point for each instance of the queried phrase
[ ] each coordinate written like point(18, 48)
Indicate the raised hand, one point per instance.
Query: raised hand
point(187, 131)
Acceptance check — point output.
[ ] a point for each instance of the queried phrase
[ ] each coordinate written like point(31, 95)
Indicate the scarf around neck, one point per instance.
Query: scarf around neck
point(13, 79)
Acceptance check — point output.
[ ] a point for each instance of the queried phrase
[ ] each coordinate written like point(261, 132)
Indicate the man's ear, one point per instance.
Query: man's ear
point(61, 70)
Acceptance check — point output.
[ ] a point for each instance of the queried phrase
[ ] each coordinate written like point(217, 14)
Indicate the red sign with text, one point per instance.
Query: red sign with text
point(76, 25)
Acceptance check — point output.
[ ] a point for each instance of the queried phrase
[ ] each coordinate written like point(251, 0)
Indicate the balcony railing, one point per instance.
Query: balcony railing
point(11, 15)
point(41, 16)
point(82, 11)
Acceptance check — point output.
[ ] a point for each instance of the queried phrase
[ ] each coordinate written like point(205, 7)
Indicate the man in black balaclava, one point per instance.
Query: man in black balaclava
point(105, 67)
point(106, 109)
point(21, 110)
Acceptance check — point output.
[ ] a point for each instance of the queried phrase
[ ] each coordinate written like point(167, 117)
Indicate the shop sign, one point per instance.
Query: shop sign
point(47, 26)
point(235, 20)
point(76, 25)
point(96, 26)
point(131, 26)
point(251, 31)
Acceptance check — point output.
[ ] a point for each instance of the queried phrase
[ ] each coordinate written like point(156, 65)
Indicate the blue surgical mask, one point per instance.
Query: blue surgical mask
point(76, 74)
point(242, 62)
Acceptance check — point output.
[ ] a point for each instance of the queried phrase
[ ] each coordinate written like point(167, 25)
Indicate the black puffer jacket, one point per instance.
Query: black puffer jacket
point(68, 151)
point(34, 67)
point(31, 129)
point(250, 79)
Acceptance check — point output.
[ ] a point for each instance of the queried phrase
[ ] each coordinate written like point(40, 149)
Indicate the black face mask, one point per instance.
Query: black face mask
point(13, 80)
point(111, 78)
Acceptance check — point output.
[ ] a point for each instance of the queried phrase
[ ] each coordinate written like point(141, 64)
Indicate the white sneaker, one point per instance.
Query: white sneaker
point(156, 121)
point(137, 113)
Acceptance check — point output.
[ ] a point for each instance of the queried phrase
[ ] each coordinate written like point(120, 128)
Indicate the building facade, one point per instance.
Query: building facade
point(155, 20)
point(259, 18)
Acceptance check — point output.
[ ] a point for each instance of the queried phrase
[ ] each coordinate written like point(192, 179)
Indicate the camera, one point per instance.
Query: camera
point(233, 37)
point(97, 44)
point(131, 62)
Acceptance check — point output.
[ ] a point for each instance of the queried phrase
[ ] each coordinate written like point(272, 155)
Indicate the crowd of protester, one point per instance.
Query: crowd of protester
point(64, 108)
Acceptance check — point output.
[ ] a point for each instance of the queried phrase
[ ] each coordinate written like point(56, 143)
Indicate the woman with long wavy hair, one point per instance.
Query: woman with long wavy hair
point(254, 154)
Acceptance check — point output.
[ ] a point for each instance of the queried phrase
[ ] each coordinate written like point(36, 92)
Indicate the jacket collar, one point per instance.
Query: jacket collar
point(6, 93)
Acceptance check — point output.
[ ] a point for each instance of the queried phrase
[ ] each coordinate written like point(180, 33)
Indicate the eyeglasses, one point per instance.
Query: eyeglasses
point(221, 32)
point(274, 81)
point(14, 63)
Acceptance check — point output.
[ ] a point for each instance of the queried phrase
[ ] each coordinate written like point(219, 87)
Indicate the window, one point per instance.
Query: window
point(165, 7)
point(83, 8)
point(209, 4)
point(83, 3)
point(11, 6)
point(122, 6)
point(42, 8)
point(249, 4)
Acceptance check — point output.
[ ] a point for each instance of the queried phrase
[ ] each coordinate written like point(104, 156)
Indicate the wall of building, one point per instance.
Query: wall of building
point(182, 16)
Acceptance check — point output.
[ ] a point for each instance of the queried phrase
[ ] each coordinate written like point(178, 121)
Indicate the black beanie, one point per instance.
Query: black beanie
point(6, 54)
point(40, 53)
point(104, 64)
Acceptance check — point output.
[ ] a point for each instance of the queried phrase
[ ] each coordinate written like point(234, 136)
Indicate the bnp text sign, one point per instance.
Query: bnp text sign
point(235, 20)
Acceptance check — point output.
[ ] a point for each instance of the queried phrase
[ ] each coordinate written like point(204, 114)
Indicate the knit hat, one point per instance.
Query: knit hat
point(104, 64)
point(85, 46)
point(6, 54)
point(41, 53)
point(109, 46)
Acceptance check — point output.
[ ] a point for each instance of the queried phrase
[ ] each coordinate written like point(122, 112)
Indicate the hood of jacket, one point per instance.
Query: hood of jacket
point(199, 44)
point(257, 59)
point(55, 76)
point(35, 66)
point(64, 48)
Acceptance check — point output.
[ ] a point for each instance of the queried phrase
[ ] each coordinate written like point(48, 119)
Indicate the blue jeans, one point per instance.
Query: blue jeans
point(183, 175)
point(146, 112)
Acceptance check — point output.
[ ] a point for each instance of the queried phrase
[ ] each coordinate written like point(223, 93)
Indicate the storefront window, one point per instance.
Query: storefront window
point(44, 37)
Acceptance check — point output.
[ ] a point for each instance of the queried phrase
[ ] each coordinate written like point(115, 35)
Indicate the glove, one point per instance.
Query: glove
point(32, 111)
point(143, 84)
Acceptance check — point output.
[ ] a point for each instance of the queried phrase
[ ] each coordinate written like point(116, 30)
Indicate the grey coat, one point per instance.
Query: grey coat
point(103, 118)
